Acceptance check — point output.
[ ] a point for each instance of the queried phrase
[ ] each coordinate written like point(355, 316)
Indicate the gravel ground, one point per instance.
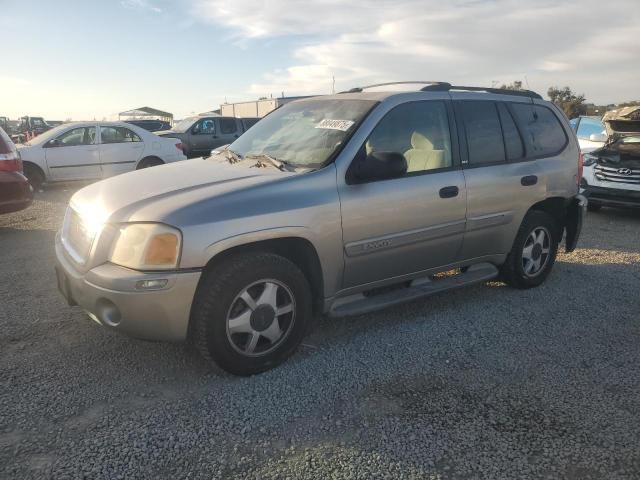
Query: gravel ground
point(485, 382)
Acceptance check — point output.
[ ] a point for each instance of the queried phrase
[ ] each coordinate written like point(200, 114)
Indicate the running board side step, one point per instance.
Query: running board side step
point(360, 303)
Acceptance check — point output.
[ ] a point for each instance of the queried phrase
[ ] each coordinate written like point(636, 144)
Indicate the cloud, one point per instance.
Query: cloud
point(467, 42)
point(142, 4)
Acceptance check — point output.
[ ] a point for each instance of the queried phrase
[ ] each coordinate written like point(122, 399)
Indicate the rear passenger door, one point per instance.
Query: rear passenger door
point(229, 130)
point(120, 150)
point(502, 176)
point(404, 225)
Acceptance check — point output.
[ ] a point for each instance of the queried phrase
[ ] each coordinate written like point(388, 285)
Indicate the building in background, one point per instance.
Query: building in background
point(146, 113)
point(256, 108)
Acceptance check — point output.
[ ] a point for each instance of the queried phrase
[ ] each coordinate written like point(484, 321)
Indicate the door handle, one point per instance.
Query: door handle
point(529, 180)
point(449, 192)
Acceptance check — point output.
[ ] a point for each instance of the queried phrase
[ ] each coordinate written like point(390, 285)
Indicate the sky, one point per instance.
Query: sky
point(86, 59)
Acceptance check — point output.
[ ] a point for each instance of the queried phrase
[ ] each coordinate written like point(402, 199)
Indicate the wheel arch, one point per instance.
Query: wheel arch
point(29, 163)
point(556, 207)
point(148, 158)
point(300, 251)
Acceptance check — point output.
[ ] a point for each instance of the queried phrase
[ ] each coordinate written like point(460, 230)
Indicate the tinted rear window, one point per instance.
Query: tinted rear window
point(542, 131)
point(512, 141)
point(484, 135)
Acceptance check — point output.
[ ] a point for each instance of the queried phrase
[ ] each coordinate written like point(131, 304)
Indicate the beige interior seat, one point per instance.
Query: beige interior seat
point(422, 155)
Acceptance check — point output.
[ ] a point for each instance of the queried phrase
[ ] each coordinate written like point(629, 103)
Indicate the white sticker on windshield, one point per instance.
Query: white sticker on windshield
point(342, 125)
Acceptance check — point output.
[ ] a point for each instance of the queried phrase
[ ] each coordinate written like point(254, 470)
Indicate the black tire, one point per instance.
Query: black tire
point(217, 296)
point(513, 271)
point(593, 207)
point(149, 162)
point(34, 175)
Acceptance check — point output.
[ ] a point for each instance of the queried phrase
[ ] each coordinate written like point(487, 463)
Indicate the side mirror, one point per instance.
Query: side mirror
point(598, 137)
point(53, 143)
point(379, 166)
point(195, 129)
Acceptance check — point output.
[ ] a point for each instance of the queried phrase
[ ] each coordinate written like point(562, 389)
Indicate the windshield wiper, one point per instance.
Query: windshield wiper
point(279, 164)
point(231, 156)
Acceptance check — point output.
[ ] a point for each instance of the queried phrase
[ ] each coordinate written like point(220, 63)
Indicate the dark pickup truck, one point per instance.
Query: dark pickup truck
point(201, 134)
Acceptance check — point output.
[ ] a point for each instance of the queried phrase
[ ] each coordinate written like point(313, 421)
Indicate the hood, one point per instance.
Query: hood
point(154, 194)
point(623, 121)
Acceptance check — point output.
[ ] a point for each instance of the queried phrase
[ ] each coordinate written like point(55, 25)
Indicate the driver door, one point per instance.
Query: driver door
point(74, 155)
point(204, 136)
point(404, 225)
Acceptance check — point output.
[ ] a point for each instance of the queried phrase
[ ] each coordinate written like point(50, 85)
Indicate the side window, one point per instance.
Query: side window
point(418, 130)
point(512, 141)
point(118, 135)
point(204, 127)
point(228, 125)
point(484, 134)
point(75, 137)
point(590, 126)
point(541, 129)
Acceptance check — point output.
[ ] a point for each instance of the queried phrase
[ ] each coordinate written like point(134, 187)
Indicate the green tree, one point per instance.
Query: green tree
point(571, 104)
point(515, 85)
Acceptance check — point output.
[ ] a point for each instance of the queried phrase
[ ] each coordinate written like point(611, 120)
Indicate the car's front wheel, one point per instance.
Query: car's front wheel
point(251, 312)
point(534, 251)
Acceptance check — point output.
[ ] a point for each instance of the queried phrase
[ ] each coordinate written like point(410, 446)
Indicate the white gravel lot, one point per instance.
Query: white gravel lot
point(486, 382)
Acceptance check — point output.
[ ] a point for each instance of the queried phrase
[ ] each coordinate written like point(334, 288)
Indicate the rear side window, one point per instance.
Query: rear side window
point(541, 129)
point(228, 125)
point(484, 135)
point(512, 141)
point(118, 135)
point(249, 122)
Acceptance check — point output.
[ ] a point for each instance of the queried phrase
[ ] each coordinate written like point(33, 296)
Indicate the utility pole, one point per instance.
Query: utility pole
point(333, 88)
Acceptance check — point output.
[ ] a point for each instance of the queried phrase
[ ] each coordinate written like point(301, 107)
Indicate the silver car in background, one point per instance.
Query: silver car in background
point(335, 205)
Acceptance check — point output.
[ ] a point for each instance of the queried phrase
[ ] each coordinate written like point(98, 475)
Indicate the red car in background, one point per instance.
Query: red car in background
point(15, 191)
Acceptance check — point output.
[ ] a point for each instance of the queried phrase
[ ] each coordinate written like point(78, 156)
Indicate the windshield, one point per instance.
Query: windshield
point(184, 125)
point(49, 134)
point(304, 133)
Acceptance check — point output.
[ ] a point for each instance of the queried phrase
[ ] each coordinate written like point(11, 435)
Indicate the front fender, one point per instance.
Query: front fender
point(255, 237)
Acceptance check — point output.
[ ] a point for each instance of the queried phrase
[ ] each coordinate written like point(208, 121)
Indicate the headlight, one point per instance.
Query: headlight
point(588, 160)
point(146, 246)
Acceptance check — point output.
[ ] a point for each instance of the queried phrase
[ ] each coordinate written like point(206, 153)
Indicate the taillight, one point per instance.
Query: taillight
point(180, 147)
point(580, 167)
point(10, 162)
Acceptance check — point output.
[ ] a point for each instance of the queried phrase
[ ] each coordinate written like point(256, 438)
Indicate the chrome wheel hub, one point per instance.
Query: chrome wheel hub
point(536, 251)
point(260, 317)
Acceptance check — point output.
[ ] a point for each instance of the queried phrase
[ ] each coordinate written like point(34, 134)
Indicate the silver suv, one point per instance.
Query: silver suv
point(338, 205)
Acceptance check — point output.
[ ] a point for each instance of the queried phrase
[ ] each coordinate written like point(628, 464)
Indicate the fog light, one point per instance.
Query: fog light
point(152, 284)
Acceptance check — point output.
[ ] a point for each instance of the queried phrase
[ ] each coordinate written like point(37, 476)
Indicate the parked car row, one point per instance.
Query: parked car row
point(340, 204)
point(94, 150)
point(202, 134)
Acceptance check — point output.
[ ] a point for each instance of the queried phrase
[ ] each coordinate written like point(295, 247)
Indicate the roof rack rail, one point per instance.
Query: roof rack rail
point(501, 91)
point(434, 84)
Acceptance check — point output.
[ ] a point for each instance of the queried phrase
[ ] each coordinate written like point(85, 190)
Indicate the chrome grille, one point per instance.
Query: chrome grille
point(617, 174)
point(75, 237)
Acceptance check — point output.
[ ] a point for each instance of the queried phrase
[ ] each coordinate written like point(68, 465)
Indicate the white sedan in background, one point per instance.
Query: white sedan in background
point(94, 150)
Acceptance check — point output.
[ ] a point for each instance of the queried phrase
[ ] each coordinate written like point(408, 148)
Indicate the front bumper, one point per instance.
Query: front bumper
point(612, 197)
point(109, 295)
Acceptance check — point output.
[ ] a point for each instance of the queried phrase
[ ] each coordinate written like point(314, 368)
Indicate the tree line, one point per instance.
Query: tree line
point(572, 105)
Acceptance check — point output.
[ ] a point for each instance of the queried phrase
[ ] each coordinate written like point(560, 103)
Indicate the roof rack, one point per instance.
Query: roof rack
point(428, 83)
point(501, 91)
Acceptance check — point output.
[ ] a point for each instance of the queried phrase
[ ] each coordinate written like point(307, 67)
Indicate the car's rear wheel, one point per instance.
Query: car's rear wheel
point(149, 162)
point(34, 174)
point(534, 251)
point(251, 312)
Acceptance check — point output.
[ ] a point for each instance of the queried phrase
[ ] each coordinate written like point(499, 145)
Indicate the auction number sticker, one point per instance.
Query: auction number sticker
point(342, 125)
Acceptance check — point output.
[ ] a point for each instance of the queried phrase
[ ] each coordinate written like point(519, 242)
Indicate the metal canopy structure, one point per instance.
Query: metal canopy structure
point(146, 113)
